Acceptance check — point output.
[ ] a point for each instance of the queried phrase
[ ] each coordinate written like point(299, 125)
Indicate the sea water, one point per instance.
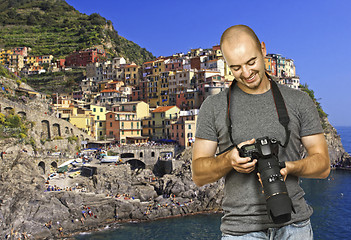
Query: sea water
point(330, 199)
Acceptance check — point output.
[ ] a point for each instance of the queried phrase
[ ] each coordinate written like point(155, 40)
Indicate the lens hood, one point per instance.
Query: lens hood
point(279, 208)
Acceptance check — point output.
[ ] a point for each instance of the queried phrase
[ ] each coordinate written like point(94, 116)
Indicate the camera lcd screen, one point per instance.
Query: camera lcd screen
point(250, 147)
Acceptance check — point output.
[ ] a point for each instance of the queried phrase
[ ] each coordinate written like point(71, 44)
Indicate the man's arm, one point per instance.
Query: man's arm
point(206, 168)
point(316, 164)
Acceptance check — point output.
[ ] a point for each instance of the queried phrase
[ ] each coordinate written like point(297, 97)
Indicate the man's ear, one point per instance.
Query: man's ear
point(263, 49)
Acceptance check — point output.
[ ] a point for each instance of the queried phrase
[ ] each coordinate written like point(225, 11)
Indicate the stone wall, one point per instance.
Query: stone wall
point(147, 154)
point(46, 124)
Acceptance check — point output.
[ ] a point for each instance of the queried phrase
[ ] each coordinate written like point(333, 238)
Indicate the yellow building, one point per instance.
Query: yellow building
point(84, 120)
point(158, 125)
point(5, 56)
point(163, 97)
point(131, 74)
point(32, 60)
point(139, 107)
point(99, 113)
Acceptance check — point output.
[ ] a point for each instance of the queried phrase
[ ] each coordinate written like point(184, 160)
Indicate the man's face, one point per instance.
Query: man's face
point(246, 62)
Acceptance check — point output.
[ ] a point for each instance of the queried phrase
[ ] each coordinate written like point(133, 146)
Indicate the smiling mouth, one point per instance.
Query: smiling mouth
point(251, 78)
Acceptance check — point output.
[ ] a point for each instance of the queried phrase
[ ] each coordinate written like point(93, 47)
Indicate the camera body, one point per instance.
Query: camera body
point(265, 150)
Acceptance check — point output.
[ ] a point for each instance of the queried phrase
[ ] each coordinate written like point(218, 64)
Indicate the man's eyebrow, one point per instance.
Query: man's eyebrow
point(251, 59)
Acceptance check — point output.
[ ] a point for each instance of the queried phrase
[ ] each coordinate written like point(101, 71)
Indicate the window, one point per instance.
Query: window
point(101, 109)
point(131, 125)
point(122, 132)
point(100, 124)
point(110, 124)
point(100, 133)
point(97, 117)
point(94, 109)
point(152, 154)
point(189, 126)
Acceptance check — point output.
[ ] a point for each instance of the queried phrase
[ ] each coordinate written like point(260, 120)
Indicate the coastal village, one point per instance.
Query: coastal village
point(120, 102)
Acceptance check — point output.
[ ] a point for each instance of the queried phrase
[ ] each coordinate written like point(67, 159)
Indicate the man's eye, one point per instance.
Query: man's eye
point(251, 63)
point(235, 68)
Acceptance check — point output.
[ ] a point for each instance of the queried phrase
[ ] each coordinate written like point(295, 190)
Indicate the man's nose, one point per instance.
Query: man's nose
point(245, 72)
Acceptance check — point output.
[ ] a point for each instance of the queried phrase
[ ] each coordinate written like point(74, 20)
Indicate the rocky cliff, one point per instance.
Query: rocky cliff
point(115, 194)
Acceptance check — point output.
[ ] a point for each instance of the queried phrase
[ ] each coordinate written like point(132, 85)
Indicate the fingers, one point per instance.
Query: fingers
point(246, 142)
point(284, 173)
point(245, 164)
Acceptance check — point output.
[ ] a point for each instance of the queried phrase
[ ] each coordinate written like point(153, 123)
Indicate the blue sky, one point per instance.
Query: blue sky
point(316, 34)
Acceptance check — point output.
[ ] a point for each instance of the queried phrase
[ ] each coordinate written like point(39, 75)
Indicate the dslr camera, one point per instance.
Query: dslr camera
point(265, 150)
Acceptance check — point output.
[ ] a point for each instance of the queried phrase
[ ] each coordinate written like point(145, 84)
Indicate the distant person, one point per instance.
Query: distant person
point(253, 115)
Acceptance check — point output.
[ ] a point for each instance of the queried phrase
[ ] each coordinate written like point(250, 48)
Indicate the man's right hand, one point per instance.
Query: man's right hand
point(242, 165)
point(206, 168)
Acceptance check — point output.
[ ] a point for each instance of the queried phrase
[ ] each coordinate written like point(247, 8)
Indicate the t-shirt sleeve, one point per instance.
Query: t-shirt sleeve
point(310, 121)
point(205, 124)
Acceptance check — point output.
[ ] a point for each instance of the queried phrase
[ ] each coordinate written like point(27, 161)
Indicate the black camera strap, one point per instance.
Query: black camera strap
point(279, 105)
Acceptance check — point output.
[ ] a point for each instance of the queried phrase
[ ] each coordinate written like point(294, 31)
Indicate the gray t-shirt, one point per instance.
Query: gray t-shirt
point(255, 116)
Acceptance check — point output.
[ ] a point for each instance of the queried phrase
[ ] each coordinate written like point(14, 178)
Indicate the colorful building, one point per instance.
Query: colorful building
point(123, 125)
point(84, 120)
point(99, 113)
point(183, 131)
point(84, 57)
point(158, 125)
point(139, 107)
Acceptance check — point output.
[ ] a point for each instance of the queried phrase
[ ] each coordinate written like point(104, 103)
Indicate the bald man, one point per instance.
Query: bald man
point(253, 115)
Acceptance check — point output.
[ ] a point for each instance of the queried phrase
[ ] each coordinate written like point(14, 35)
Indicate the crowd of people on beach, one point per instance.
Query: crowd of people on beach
point(86, 213)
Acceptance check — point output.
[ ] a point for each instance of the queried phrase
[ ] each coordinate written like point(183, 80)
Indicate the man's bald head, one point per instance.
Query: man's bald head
point(237, 33)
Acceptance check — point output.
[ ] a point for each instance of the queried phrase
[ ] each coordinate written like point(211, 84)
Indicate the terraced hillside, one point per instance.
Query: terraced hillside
point(54, 27)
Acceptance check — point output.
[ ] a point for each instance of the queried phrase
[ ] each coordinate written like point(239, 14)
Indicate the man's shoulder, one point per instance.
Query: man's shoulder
point(217, 98)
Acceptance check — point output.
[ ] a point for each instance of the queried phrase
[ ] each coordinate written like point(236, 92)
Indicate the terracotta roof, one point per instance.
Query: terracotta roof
point(162, 109)
point(109, 90)
point(128, 66)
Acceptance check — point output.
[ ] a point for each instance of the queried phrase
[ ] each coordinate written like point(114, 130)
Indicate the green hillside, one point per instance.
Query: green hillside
point(56, 28)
